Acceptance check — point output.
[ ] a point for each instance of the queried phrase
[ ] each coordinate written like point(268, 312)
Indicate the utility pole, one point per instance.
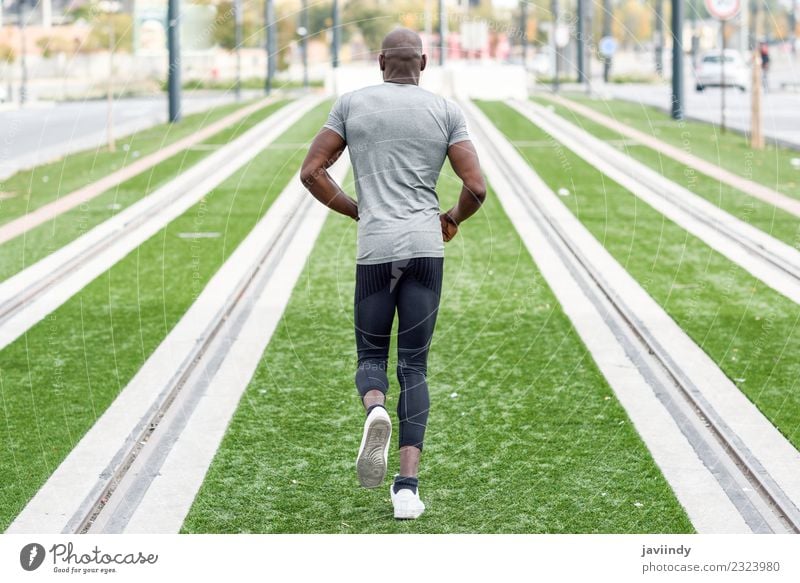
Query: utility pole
point(793, 25)
point(579, 38)
point(23, 84)
point(606, 33)
point(174, 48)
point(658, 39)
point(442, 32)
point(335, 40)
point(554, 43)
point(589, 44)
point(238, 18)
point(304, 41)
point(677, 60)
point(269, 43)
point(112, 41)
point(756, 133)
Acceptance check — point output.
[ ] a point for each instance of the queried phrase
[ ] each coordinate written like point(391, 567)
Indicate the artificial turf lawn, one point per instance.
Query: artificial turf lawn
point(38, 186)
point(764, 216)
point(48, 237)
point(64, 372)
point(748, 329)
point(731, 150)
point(524, 434)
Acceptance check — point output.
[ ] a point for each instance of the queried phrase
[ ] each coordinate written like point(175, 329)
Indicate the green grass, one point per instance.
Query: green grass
point(40, 185)
point(58, 378)
point(770, 166)
point(43, 240)
point(748, 329)
point(764, 216)
point(524, 434)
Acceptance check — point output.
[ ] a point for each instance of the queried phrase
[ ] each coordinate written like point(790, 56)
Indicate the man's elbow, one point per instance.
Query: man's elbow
point(308, 175)
point(478, 190)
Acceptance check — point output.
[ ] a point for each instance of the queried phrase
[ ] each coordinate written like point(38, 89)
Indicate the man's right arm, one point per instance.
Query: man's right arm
point(464, 160)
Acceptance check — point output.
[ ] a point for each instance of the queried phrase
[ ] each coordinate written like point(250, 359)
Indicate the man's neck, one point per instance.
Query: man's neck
point(404, 79)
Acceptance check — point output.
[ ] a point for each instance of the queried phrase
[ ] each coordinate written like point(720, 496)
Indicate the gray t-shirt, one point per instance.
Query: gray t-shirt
point(397, 135)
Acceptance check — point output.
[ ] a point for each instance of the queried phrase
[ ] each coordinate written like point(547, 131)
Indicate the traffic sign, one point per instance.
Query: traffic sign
point(607, 46)
point(723, 9)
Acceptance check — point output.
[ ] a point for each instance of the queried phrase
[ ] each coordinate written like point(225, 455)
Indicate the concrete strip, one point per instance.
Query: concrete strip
point(178, 195)
point(772, 261)
point(706, 501)
point(171, 490)
point(69, 201)
point(759, 191)
point(73, 488)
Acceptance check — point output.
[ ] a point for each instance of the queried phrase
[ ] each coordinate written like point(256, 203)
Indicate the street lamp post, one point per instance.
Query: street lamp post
point(658, 39)
point(606, 34)
point(554, 43)
point(523, 26)
point(336, 35)
point(442, 34)
point(174, 49)
point(23, 83)
point(676, 108)
point(238, 17)
point(579, 44)
point(269, 43)
point(302, 32)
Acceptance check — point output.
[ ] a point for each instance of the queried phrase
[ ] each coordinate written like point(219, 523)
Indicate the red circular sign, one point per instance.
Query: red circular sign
point(723, 9)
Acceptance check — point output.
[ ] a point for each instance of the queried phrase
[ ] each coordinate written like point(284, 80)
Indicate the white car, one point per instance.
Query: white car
point(710, 70)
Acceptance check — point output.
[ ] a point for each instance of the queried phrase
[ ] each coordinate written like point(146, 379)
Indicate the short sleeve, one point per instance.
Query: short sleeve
point(457, 125)
point(337, 118)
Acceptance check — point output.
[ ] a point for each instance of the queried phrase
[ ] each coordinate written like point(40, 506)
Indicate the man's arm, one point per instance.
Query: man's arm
point(324, 151)
point(464, 160)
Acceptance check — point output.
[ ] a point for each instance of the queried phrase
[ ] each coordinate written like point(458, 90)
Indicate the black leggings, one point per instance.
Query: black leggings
point(412, 287)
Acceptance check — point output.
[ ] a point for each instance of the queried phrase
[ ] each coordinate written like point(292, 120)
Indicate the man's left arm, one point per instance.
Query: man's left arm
point(324, 151)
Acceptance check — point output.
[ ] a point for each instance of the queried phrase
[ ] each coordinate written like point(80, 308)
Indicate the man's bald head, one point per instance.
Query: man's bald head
point(401, 57)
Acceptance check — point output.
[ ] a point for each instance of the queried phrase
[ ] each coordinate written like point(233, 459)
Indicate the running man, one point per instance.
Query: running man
point(398, 136)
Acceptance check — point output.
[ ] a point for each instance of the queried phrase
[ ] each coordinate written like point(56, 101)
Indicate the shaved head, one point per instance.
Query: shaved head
point(401, 58)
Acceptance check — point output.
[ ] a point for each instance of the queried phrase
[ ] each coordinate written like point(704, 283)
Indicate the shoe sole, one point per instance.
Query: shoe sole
point(407, 515)
point(371, 462)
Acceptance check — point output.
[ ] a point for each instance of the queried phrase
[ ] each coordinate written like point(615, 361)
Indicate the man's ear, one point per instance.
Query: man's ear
point(423, 62)
point(382, 62)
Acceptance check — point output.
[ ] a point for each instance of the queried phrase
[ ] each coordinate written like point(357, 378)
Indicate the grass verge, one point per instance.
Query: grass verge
point(748, 329)
point(59, 377)
point(43, 240)
point(764, 216)
point(524, 434)
point(771, 166)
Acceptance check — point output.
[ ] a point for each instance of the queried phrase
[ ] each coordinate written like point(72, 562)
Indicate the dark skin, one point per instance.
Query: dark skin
point(401, 60)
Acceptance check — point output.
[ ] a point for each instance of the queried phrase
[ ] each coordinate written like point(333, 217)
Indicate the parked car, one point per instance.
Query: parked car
point(710, 69)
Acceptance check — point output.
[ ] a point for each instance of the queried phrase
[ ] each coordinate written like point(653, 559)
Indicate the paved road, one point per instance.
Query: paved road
point(43, 132)
point(781, 119)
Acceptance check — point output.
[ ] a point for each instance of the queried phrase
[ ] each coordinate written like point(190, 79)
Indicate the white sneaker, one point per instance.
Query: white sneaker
point(374, 451)
point(407, 504)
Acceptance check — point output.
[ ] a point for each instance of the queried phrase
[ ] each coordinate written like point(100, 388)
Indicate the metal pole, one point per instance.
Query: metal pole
point(554, 12)
point(442, 29)
point(269, 22)
point(336, 35)
point(238, 18)
point(23, 86)
point(579, 44)
point(677, 59)
point(110, 119)
point(722, 77)
point(793, 25)
point(174, 48)
point(588, 44)
point(304, 41)
point(606, 32)
point(756, 135)
point(523, 25)
point(659, 37)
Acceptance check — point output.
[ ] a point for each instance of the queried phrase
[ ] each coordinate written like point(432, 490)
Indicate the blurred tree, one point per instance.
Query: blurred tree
point(252, 24)
point(372, 19)
point(98, 39)
point(54, 45)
